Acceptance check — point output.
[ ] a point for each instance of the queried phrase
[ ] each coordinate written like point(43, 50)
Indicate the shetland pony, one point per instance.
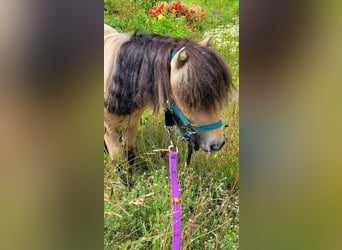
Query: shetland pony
point(149, 70)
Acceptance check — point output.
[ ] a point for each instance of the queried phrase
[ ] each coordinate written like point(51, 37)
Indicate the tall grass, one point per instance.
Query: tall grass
point(139, 216)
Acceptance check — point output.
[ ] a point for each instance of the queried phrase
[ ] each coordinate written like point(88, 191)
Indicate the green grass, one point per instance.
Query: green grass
point(139, 217)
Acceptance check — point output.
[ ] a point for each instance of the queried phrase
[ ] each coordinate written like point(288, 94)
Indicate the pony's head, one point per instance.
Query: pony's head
point(200, 81)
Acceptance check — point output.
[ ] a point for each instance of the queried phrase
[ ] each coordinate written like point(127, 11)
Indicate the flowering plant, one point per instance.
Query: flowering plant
point(193, 14)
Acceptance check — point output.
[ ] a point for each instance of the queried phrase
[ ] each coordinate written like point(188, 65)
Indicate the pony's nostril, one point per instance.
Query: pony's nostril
point(214, 147)
point(217, 146)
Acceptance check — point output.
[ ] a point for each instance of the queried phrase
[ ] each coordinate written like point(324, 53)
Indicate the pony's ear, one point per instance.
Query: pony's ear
point(207, 42)
point(182, 57)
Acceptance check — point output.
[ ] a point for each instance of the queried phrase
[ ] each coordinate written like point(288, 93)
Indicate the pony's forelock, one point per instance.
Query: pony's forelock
point(207, 80)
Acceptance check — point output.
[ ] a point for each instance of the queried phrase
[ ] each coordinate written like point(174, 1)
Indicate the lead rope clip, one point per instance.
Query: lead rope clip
point(172, 145)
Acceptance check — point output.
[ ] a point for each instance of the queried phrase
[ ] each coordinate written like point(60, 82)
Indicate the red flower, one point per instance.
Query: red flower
point(178, 8)
point(192, 11)
point(160, 8)
point(185, 12)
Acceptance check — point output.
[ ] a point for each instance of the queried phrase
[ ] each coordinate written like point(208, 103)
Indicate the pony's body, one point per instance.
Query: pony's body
point(143, 71)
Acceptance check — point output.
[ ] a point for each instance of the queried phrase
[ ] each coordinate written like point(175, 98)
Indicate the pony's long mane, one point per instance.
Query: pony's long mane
point(141, 75)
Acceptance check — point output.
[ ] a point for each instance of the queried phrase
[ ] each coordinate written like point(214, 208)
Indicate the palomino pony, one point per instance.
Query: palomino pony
point(148, 70)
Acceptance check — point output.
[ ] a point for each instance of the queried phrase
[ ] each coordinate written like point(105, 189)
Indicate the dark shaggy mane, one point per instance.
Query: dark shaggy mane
point(142, 75)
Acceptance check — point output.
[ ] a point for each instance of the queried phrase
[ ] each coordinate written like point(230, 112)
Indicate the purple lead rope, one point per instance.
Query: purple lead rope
point(175, 194)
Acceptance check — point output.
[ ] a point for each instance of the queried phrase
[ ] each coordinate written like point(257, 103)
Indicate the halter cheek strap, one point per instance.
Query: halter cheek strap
point(173, 52)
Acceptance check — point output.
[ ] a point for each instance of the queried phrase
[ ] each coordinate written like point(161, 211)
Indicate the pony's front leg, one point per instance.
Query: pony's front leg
point(112, 127)
point(130, 135)
point(113, 145)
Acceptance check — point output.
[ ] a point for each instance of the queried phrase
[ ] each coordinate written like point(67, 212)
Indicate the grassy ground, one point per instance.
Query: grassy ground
point(139, 217)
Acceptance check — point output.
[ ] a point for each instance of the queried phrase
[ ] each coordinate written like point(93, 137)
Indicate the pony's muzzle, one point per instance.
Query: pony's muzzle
point(199, 142)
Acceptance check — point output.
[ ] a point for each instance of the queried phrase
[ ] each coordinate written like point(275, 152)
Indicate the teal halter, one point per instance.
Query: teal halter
point(190, 129)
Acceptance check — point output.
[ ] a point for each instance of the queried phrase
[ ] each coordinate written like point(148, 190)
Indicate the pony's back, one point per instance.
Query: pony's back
point(108, 30)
